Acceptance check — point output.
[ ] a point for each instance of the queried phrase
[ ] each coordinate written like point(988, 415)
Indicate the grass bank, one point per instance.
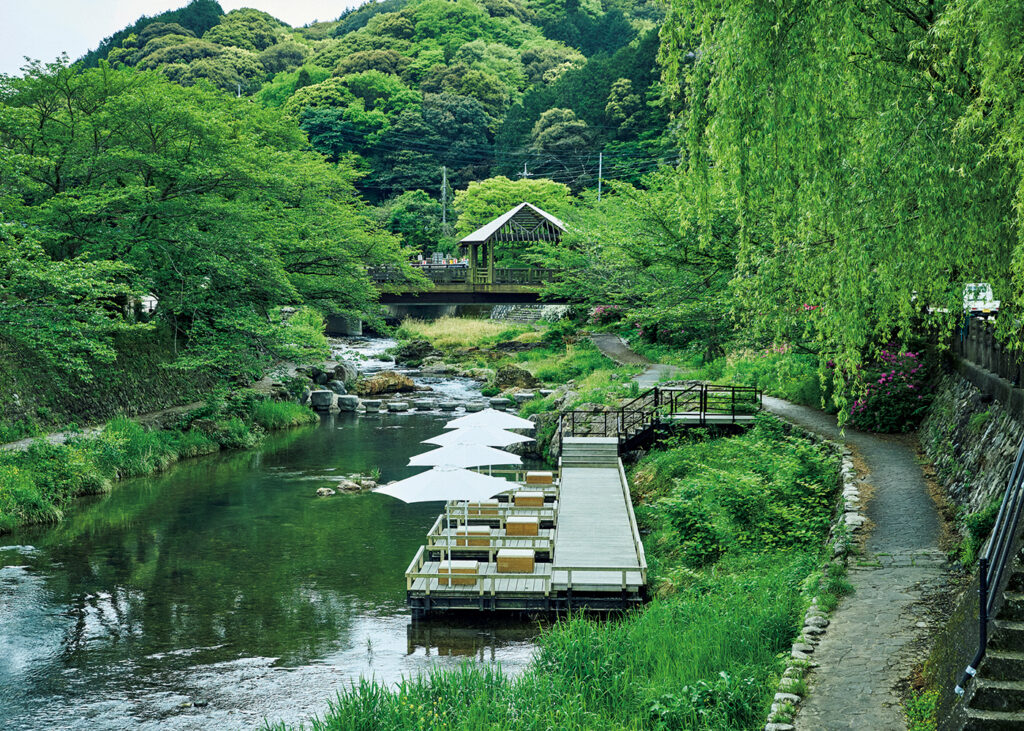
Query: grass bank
point(37, 484)
point(734, 529)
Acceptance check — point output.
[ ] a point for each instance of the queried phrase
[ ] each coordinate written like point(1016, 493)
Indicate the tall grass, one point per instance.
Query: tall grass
point(36, 485)
point(271, 415)
point(706, 654)
point(460, 332)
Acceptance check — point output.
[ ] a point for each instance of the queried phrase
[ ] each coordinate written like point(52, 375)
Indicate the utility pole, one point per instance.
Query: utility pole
point(524, 174)
point(600, 171)
point(444, 201)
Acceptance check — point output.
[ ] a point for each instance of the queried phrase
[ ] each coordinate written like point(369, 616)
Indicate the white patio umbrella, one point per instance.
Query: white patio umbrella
point(487, 436)
point(464, 455)
point(490, 418)
point(446, 483)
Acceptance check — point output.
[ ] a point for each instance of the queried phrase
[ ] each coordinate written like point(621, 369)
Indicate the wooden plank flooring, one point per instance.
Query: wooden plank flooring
point(594, 531)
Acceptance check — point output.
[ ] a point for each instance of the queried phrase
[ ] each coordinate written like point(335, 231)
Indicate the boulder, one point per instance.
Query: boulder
point(423, 405)
point(338, 387)
point(385, 382)
point(500, 403)
point(448, 406)
point(325, 492)
point(322, 400)
point(523, 396)
point(413, 352)
point(348, 485)
point(371, 404)
point(510, 376)
point(346, 372)
point(348, 403)
point(475, 406)
point(321, 378)
point(398, 405)
point(478, 374)
point(304, 399)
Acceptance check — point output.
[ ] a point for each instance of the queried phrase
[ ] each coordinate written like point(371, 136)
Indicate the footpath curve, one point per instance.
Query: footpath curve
point(870, 647)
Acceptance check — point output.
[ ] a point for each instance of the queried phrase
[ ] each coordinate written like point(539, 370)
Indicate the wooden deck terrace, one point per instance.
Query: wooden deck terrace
point(597, 560)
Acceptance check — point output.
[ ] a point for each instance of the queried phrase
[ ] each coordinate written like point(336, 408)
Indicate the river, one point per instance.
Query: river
point(223, 592)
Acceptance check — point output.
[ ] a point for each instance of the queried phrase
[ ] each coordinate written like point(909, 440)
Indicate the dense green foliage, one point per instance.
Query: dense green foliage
point(118, 184)
point(870, 156)
point(703, 656)
point(403, 87)
point(38, 483)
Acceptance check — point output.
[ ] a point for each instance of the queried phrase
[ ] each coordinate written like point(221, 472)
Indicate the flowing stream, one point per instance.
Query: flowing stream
point(224, 593)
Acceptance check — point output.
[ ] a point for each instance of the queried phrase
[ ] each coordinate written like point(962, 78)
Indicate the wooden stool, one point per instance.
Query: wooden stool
point(458, 567)
point(517, 525)
point(526, 499)
point(515, 561)
point(540, 478)
point(473, 535)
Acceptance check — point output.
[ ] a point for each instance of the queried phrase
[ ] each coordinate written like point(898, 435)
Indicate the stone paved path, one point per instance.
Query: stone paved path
point(616, 348)
point(867, 649)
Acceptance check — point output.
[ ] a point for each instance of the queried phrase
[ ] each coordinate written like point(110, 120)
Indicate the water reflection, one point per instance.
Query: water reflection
point(224, 591)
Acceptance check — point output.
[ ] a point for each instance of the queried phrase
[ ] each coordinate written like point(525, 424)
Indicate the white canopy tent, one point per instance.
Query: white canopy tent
point(446, 483)
point(490, 419)
point(464, 455)
point(486, 436)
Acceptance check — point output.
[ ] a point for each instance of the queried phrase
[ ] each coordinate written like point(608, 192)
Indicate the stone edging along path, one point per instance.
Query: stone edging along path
point(869, 648)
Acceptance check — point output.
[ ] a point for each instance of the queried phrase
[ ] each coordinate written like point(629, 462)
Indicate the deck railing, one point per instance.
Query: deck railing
point(659, 404)
point(999, 552)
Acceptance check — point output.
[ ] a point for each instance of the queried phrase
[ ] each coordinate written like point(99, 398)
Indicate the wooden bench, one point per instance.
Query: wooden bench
point(457, 567)
point(522, 526)
point(473, 535)
point(540, 478)
point(529, 499)
point(515, 561)
point(487, 508)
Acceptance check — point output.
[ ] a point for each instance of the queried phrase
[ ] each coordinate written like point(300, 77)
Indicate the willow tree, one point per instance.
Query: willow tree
point(870, 150)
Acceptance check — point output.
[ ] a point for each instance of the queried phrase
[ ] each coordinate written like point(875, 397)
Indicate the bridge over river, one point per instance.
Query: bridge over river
point(478, 280)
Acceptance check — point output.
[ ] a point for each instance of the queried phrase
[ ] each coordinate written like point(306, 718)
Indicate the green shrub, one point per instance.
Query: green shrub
point(490, 391)
point(896, 396)
point(281, 414)
point(922, 711)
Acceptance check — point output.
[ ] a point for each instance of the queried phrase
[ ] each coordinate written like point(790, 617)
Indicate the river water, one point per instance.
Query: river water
point(224, 593)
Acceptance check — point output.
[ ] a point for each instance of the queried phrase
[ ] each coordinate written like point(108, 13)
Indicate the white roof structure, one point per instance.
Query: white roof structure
point(525, 222)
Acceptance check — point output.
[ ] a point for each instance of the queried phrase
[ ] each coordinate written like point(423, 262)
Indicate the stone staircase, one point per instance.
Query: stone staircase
point(528, 314)
point(997, 700)
point(590, 452)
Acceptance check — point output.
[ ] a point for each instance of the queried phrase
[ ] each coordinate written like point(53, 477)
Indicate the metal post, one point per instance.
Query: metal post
point(600, 172)
point(983, 602)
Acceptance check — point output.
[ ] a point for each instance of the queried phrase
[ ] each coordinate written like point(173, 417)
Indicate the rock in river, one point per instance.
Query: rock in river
point(385, 382)
point(510, 376)
point(413, 353)
point(324, 492)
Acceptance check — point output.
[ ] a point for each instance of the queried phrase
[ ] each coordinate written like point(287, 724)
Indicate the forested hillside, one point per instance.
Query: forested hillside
point(400, 89)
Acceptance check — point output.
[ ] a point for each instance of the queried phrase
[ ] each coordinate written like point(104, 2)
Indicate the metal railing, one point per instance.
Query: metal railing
point(456, 274)
point(659, 404)
point(999, 552)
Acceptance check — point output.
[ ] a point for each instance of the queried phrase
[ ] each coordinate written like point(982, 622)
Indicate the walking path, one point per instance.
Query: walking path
point(619, 351)
point(869, 647)
point(59, 437)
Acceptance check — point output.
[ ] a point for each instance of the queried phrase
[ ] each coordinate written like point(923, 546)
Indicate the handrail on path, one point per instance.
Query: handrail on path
point(993, 562)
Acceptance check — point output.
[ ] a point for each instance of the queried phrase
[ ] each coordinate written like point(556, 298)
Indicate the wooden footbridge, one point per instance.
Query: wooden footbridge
point(580, 549)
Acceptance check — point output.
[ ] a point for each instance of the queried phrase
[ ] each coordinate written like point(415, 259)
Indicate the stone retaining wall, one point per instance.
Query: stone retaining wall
point(972, 437)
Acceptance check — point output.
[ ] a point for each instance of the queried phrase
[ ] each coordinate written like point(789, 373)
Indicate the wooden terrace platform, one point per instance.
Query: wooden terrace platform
point(588, 534)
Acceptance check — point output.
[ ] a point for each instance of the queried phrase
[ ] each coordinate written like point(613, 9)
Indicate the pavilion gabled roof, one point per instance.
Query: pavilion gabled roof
point(525, 222)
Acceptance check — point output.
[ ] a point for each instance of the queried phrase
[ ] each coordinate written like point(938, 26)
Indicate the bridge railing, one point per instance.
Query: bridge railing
point(449, 274)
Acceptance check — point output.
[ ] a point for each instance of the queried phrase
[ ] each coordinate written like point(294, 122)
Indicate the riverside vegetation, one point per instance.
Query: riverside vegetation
point(732, 571)
point(38, 483)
